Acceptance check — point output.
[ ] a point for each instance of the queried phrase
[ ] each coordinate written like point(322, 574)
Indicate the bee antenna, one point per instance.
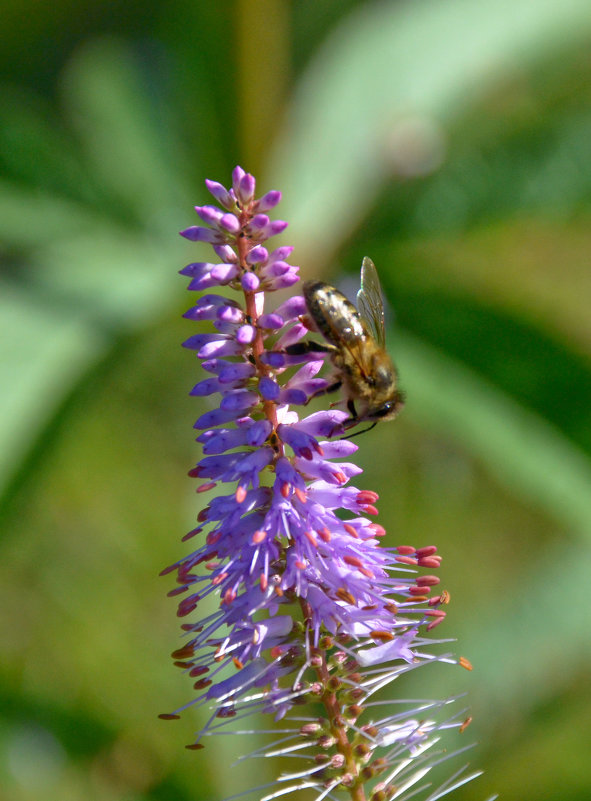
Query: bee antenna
point(357, 433)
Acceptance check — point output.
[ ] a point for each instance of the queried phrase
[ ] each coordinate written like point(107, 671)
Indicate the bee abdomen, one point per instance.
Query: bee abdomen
point(335, 317)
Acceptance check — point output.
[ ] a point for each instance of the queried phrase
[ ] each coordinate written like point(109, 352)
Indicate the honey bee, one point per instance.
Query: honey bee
point(355, 342)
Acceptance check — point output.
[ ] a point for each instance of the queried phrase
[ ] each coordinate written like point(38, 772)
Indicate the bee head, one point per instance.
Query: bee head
point(390, 409)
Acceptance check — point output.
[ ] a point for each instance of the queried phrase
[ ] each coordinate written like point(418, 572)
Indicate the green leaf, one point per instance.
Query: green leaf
point(126, 136)
point(548, 611)
point(390, 63)
point(42, 353)
point(524, 452)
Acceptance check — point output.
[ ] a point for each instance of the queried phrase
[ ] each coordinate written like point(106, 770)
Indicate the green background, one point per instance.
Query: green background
point(450, 140)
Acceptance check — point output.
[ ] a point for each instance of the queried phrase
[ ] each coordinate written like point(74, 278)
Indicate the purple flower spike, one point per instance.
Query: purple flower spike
point(306, 606)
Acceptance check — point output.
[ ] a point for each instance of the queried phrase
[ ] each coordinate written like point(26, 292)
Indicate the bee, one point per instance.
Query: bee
point(355, 342)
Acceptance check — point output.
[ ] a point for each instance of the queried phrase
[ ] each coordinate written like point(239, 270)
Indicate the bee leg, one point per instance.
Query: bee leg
point(363, 430)
point(302, 348)
point(326, 391)
point(330, 388)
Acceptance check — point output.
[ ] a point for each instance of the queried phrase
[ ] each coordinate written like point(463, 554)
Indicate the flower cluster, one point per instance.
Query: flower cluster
point(308, 605)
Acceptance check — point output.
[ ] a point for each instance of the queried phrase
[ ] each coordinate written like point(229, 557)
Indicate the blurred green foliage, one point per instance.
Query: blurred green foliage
point(448, 139)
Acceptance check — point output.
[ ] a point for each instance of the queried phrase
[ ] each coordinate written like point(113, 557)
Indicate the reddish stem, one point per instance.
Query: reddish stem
point(335, 716)
point(258, 346)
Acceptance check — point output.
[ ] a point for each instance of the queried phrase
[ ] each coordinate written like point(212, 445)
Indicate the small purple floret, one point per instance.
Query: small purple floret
point(250, 282)
point(269, 201)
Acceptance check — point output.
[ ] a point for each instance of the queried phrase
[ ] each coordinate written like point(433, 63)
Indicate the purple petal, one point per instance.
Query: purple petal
point(229, 314)
point(224, 273)
point(205, 313)
point(230, 223)
point(210, 215)
point(269, 389)
point(206, 387)
point(278, 226)
point(207, 275)
point(309, 389)
point(237, 175)
point(333, 473)
point(202, 311)
point(271, 321)
point(250, 282)
point(204, 282)
point(197, 341)
point(285, 281)
point(292, 308)
point(218, 441)
point(246, 334)
point(220, 193)
point(398, 648)
point(196, 269)
point(297, 397)
point(274, 359)
point(257, 255)
point(225, 253)
point(215, 365)
point(215, 417)
point(196, 233)
point(220, 348)
point(258, 223)
point(302, 443)
point(282, 253)
point(336, 449)
point(246, 189)
point(220, 465)
point(323, 424)
point(276, 269)
point(305, 373)
point(293, 335)
point(255, 461)
point(240, 681)
point(258, 432)
point(286, 474)
point(236, 372)
point(268, 201)
point(240, 399)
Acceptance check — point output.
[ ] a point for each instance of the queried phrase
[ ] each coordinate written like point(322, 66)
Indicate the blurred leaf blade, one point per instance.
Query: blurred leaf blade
point(35, 148)
point(121, 128)
point(94, 273)
point(536, 603)
point(522, 450)
point(536, 270)
point(43, 353)
point(388, 62)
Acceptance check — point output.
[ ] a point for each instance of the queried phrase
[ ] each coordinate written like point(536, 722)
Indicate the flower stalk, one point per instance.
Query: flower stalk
point(310, 608)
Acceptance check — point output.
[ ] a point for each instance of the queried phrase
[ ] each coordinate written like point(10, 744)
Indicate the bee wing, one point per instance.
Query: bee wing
point(370, 301)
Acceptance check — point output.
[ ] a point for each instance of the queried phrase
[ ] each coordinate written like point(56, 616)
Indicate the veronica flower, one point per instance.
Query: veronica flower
point(309, 607)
